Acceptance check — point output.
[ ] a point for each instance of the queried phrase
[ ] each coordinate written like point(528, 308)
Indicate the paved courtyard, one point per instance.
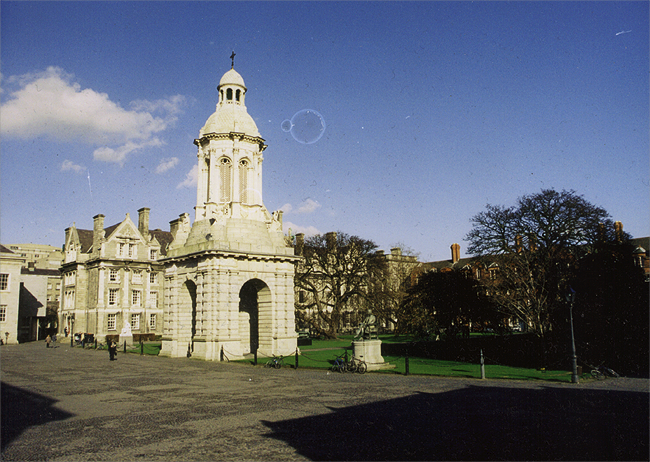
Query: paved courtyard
point(71, 404)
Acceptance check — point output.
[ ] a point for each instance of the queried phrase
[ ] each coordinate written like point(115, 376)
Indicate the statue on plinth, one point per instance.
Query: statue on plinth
point(366, 328)
point(126, 330)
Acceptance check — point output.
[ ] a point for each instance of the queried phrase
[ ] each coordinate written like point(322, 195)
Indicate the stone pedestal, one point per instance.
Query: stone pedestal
point(126, 338)
point(370, 352)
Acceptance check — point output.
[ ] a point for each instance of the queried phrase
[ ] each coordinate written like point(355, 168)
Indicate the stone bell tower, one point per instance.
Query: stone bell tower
point(229, 276)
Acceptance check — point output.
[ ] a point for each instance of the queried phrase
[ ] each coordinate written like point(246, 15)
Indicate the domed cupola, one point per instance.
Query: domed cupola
point(231, 115)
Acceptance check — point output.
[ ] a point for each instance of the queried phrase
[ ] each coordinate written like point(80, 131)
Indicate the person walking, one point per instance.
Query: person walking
point(112, 351)
point(48, 339)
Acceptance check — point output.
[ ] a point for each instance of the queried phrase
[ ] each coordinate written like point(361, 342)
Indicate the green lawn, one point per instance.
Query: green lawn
point(321, 353)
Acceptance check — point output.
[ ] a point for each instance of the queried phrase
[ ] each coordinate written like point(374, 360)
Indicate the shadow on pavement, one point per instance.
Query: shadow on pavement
point(22, 409)
point(478, 423)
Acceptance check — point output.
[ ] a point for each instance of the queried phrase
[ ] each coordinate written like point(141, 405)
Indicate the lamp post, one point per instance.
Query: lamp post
point(571, 296)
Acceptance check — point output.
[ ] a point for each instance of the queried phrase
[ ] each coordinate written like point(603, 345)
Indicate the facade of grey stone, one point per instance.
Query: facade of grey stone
point(112, 277)
point(229, 276)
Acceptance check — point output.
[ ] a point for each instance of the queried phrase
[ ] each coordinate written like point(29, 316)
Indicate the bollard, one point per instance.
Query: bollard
point(125, 346)
point(95, 344)
point(296, 358)
point(482, 366)
point(406, 362)
point(255, 358)
point(141, 348)
point(72, 341)
point(221, 354)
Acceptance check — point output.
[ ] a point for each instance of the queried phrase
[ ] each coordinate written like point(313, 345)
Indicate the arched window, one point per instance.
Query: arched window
point(237, 93)
point(243, 181)
point(229, 94)
point(225, 174)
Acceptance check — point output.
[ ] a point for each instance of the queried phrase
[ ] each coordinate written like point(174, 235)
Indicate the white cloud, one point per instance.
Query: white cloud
point(286, 208)
point(190, 179)
point(307, 206)
point(50, 103)
point(167, 164)
point(69, 165)
point(296, 229)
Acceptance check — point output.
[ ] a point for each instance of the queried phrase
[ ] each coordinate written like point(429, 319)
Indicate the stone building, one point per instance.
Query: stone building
point(113, 277)
point(229, 276)
point(39, 302)
point(10, 265)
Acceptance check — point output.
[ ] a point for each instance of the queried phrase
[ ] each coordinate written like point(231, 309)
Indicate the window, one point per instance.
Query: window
point(136, 298)
point(4, 281)
point(113, 295)
point(153, 278)
point(112, 321)
point(137, 277)
point(153, 254)
point(113, 275)
point(135, 321)
point(225, 169)
point(237, 94)
point(152, 321)
point(3, 313)
point(132, 251)
point(243, 181)
point(120, 249)
point(229, 94)
point(153, 299)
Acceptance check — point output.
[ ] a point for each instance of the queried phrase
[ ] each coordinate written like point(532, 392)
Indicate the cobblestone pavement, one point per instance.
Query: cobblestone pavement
point(71, 404)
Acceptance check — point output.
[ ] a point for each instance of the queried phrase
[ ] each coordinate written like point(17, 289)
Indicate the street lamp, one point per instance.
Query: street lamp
point(571, 296)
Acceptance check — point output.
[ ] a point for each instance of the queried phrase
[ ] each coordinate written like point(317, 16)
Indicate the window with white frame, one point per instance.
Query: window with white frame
point(135, 321)
point(152, 321)
point(4, 281)
point(136, 298)
point(113, 275)
point(153, 299)
point(120, 249)
point(3, 313)
point(153, 254)
point(137, 277)
point(132, 251)
point(112, 322)
point(153, 278)
point(113, 295)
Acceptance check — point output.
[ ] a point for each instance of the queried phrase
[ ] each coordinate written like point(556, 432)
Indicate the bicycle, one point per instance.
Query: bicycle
point(276, 362)
point(601, 372)
point(357, 365)
point(340, 364)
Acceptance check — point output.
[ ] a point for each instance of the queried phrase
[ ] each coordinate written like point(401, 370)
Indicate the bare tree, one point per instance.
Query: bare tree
point(536, 245)
point(333, 280)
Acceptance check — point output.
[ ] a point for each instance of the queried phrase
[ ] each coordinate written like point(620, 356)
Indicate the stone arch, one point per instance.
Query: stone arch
point(254, 305)
point(187, 305)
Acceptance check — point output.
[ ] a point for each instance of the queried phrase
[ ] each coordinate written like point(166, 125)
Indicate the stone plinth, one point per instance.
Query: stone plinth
point(370, 352)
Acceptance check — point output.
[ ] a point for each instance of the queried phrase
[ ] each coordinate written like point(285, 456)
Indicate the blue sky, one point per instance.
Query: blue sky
point(432, 111)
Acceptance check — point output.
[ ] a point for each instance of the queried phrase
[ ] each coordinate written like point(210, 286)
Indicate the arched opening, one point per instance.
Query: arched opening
point(188, 305)
point(237, 93)
point(254, 303)
point(229, 94)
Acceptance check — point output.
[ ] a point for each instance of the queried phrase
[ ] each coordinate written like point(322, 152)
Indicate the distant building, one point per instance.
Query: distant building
point(41, 255)
point(112, 277)
point(10, 265)
point(39, 302)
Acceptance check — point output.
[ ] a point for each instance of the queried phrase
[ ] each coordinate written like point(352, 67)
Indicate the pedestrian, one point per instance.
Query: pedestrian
point(112, 351)
point(66, 331)
point(48, 339)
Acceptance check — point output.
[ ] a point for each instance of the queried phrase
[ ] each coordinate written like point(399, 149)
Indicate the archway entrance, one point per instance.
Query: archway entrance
point(188, 305)
point(254, 302)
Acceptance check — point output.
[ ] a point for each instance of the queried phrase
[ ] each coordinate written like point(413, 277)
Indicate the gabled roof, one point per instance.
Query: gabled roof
point(3, 249)
point(164, 238)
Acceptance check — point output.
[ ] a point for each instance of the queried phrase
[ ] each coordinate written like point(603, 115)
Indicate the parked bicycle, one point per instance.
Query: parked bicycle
point(357, 365)
point(340, 364)
point(276, 362)
point(601, 372)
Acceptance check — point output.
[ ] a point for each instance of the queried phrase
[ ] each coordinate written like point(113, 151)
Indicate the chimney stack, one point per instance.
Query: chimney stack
point(618, 229)
point(396, 251)
point(143, 222)
point(455, 253)
point(98, 231)
point(300, 244)
point(330, 240)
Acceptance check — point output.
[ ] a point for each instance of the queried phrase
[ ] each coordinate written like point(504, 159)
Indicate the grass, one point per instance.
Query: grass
point(321, 353)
